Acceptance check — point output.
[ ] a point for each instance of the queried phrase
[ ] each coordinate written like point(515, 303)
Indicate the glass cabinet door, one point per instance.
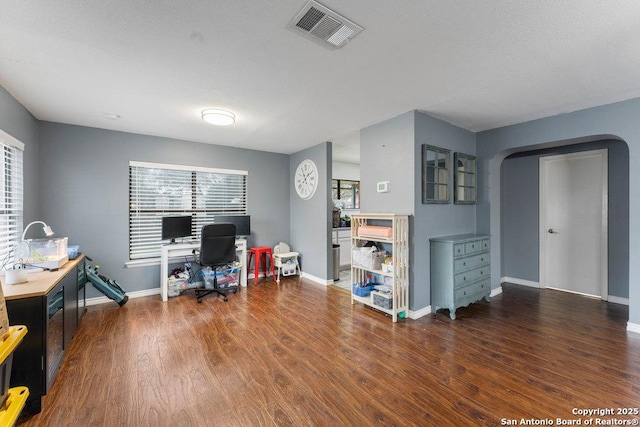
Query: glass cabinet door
point(465, 179)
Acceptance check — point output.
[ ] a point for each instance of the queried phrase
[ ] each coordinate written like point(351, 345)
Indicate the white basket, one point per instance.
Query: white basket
point(368, 260)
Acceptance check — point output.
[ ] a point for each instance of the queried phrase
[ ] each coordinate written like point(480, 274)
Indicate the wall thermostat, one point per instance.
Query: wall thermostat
point(383, 187)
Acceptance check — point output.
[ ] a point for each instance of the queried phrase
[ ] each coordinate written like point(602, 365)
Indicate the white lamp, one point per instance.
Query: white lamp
point(218, 117)
point(47, 230)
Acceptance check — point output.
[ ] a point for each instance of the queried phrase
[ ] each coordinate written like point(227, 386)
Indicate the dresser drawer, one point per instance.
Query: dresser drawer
point(475, 289)
point(466, 263)
point(472, 247)
point(458, 250)
point(461, 279)
point(486, 244)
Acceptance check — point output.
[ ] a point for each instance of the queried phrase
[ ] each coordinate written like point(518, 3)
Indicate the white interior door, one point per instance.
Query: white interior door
point(573, 222)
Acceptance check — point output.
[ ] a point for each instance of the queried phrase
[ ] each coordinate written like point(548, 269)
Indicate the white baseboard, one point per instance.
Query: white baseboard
point(633, 327)
point(420, 313)
point(136, 294)
point(521, 282)
point(316, 279)
point(495, 292)
point(618, 300)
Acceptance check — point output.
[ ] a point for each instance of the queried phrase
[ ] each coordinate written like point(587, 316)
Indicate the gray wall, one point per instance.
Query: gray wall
point(392, 150)
point(19, 123)
point(520, 218)
point(434, 220)
point(386, 154)
point(520, 213)
point(615, 121)
point(83, 183)
point(311, 219)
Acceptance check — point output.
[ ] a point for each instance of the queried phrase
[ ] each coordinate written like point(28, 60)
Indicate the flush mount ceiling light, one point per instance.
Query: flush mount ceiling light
point(218, 117)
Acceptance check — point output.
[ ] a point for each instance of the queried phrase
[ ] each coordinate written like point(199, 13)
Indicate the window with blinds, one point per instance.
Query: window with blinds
point(11, 190)
point(157, 190)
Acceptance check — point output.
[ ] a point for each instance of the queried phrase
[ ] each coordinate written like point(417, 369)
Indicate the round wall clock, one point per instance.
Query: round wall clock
point(306, 179)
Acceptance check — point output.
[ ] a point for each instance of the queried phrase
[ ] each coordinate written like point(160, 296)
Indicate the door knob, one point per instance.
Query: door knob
point(552, 231)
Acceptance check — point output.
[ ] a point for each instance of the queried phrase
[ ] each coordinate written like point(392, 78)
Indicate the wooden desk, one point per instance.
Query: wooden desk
point(186, 249)
point(50, 305)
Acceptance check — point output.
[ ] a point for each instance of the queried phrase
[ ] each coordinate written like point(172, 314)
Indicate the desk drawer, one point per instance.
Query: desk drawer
point(463, 264)
point(462, 279)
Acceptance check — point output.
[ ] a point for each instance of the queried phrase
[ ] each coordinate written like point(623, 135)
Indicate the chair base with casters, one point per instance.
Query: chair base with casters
point(285, 261)
point(203, 292)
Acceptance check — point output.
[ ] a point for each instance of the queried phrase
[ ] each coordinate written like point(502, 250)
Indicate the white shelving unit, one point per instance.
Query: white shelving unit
point(398, 247)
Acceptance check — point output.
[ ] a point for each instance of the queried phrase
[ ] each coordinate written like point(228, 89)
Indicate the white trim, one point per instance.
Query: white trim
point(618, 300)
point(11, 141)
point(136, 294)
point(495, 292)
point(144, 262)
point(316, 279)
point(521, 282)
point(414, 315)
point(133, 163)
point(576, 293)
point(604, 229)
point(633, 327)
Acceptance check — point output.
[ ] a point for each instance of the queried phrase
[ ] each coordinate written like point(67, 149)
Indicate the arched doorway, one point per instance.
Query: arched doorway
point(519, 209)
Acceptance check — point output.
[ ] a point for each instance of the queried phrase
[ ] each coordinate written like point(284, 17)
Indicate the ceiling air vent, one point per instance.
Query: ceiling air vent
point(324, 26)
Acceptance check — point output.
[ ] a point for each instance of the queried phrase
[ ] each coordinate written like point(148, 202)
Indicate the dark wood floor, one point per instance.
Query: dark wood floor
point(298, 354)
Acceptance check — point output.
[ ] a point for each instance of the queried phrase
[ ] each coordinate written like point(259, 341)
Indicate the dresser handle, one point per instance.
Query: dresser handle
point(464, 279)
point(481, 273)
point(481, 259)
point(464, 264)
point(464, 292)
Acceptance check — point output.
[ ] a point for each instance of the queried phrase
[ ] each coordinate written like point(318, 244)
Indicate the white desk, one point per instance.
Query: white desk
point(186, 249)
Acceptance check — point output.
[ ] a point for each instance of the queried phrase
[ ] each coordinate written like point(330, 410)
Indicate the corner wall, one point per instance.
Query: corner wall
point(20, 123)
point(392, 151)
point(311, 219)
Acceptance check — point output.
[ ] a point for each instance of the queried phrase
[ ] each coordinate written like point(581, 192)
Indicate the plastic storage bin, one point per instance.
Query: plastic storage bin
point(48, 253)
point(382, 299)
point(362, 291)
point(73, 251)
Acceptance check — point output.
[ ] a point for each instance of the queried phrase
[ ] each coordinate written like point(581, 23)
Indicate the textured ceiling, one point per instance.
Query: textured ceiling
point(157, 64)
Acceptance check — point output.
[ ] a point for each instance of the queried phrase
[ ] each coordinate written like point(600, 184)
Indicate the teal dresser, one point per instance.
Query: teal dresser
point(460, 271)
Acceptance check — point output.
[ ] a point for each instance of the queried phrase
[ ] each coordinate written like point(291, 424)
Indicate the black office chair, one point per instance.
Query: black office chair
point(217, 249)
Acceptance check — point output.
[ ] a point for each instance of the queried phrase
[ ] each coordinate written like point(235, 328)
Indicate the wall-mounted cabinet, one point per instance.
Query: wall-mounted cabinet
point(465, 179)
point(390, 232)
point(435, 174)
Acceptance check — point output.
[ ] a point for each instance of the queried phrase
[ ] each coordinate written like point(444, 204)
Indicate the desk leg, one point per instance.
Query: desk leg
point(244, 269)
point(164, 275)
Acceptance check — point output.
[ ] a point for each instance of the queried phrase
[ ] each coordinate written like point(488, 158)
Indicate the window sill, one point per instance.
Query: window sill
point(148, 262)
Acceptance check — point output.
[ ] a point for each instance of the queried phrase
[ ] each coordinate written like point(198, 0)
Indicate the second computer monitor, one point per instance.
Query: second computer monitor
point(242, 223)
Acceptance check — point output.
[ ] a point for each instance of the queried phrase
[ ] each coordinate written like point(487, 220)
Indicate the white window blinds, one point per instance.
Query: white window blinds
point(157, 190)
point(11, 189)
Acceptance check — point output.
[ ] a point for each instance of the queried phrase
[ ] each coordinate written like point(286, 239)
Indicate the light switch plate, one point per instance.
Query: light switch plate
point(383, 187)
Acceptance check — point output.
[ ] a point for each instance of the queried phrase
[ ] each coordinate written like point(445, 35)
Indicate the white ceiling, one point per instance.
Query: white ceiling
point(157, 64)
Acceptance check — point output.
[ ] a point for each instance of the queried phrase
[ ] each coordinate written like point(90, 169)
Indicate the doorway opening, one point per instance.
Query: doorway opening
point(520, 231)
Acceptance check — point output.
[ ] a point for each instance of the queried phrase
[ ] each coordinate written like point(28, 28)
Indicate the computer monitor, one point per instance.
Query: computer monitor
point(175, 227)
point(242, 223)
